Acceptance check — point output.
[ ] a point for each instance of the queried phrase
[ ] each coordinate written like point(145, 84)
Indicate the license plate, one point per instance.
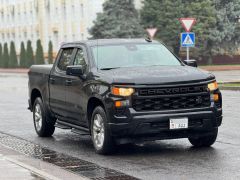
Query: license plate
point(178, 123)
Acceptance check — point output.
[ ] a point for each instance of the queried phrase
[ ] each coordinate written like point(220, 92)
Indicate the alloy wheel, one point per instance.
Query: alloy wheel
point(98, 131)
point(38, 117)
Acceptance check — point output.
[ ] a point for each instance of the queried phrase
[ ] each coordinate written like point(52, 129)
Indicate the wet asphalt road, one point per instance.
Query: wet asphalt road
point(172, 159)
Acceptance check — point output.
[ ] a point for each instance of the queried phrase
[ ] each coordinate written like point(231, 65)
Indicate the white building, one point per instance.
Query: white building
point(56, 20)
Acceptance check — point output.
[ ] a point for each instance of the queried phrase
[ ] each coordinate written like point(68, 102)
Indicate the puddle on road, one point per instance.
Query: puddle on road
point(75, 165)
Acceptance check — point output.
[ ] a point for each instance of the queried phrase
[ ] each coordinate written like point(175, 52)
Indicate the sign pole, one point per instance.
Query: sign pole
point(187, 53)
point(187, 39)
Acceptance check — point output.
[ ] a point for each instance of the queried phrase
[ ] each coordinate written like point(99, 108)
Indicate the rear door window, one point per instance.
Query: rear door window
point(80, 58)
point(65, 59)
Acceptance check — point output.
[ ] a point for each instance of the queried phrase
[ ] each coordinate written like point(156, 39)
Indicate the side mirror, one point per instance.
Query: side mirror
point(192, 63)
point(75, 70)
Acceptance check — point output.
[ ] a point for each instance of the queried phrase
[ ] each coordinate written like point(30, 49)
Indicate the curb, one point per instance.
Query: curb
point(37, 166)
point(220, 68)
point(229, 82)
point(233, 88)
point(32, 169)
point(22, 71)
point(230, 88)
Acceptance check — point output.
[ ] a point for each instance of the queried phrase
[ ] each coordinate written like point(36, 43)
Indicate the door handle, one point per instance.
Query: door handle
point(68, 82)
point(52, 80)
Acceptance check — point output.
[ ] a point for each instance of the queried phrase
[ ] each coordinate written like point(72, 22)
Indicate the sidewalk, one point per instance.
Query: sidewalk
point(227, 76)
point(16, 166)
point(221, 67)
point(24, 71)
point(10, 170)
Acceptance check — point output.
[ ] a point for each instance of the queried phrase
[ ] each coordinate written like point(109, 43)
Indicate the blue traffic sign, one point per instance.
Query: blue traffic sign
point(188, 39)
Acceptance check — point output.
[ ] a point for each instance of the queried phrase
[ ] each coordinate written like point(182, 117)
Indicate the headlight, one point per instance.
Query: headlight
point(122, 91)
point(213, 86)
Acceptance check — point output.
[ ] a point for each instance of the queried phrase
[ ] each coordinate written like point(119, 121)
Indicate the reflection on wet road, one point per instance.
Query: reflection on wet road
point(64, 161)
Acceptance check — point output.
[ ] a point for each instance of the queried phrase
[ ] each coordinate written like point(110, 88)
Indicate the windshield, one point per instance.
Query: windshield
point(133, 55)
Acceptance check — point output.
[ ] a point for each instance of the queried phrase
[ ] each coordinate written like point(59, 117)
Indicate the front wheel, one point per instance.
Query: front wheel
point(204, 141)
point(101, 137)
point(42, 126)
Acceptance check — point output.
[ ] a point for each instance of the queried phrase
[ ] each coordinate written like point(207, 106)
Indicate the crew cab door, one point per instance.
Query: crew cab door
point(57, 82)
point(76, 98)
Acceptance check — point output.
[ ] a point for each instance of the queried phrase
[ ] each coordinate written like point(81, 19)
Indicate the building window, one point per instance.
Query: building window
point(55, 38)
point(56, 10)
point(73, 10)
point(3, 37)
point(8, 37)
point(13, 36)
point(37, 34)
point(82, 10)
point(25, 35)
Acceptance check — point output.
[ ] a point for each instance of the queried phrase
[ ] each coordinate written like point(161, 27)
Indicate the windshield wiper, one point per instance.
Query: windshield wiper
point(106, 69)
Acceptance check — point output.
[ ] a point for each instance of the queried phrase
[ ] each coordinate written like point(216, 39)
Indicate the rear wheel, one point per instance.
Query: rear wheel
point(204, 141)
point(42, 126)
point(101, 137)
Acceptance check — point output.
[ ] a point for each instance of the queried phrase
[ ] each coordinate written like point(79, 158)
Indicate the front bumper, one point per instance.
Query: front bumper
point(155, 125)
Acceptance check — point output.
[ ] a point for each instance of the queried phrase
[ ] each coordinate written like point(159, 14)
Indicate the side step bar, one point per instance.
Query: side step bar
point(61, 126)
point(80, 132)
point(74, 128)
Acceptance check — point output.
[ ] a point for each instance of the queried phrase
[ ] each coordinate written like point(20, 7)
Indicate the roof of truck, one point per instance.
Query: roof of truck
point(99, 42)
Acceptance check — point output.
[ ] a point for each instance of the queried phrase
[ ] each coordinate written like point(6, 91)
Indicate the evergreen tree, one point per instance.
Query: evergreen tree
point(5, 56)
point(165, 16)
point(1, 54)
point(50, 52)
point(225, 36)
point(205, 13)
point(13, 63)
point(39, 53)
point(29, 55)
point(119, 19)
point(22, 55)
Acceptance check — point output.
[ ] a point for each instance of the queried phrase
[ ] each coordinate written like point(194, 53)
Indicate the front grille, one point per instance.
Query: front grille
point(171, 98)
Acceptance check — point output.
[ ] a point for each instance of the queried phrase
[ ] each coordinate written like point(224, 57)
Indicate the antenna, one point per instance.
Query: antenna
point(148, 39)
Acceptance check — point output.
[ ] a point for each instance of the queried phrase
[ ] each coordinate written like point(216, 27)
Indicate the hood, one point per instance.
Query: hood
point(157, 75)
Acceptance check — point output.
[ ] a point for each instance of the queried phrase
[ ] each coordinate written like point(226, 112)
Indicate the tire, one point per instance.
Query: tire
point(100, 133)
point(42, 126)
point(204, 141)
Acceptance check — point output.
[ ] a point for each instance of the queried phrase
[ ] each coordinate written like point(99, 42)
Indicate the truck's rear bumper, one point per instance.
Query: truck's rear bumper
point(155, 125)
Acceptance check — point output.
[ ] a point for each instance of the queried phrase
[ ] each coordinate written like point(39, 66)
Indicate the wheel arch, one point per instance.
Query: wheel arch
point(34, 95)
point(93, 102)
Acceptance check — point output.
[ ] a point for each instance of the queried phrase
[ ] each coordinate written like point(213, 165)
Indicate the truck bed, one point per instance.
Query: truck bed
point(39, 80)
point(42, 69)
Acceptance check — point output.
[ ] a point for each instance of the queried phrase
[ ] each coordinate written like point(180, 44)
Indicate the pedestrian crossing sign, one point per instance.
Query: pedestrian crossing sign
point(188, 39)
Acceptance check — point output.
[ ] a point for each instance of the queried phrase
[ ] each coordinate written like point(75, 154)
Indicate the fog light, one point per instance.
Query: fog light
point(118, 104)
point(121, 103)
point(215, 97)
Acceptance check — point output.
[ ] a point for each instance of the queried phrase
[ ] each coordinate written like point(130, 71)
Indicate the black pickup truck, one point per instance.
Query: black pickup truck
point(124, 91)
